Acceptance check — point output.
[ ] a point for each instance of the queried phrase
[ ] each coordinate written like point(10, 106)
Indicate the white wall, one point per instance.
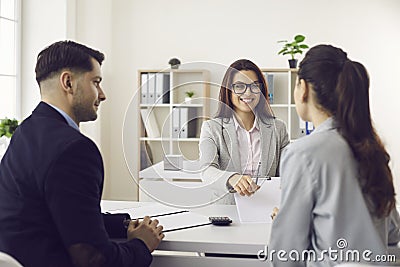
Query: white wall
point(43, 22)
point(146, 34)
point(47, 21)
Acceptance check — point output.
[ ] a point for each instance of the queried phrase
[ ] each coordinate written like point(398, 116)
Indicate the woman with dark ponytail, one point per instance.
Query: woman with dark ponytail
point(337, 187)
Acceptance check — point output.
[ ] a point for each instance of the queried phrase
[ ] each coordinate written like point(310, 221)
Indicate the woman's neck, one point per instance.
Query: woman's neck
point(245, 119)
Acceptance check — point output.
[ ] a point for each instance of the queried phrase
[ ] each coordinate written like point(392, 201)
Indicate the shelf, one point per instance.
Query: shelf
point(188, 105)
point(173, 105)
point(280, 70)
point(155, 105)
point(279, 105)
point(167, 139)
point(198, 80)
point(158, 139)
point(169, 70)
point(194, 139)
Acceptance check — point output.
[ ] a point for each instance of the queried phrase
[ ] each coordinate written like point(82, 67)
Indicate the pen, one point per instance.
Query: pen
point(258, 172)
point(127, 221)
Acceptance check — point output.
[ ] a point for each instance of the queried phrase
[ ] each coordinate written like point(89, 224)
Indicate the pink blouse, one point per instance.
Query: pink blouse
point(249, 147)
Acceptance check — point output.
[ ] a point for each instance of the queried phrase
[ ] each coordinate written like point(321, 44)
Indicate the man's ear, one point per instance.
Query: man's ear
point(304, 91)
point(66, 81)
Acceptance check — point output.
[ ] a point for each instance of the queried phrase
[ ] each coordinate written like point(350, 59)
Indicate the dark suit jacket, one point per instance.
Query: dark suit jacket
point(51, 181)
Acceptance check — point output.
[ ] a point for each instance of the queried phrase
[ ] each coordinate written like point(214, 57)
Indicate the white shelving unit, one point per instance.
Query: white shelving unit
point(154, 180)
point(284, 82)
point(173, 140)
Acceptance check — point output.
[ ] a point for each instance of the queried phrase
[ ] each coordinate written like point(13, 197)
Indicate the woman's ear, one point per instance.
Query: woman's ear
point(304, 91)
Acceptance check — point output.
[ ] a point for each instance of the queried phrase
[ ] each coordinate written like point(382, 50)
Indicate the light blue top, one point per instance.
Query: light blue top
point(322, 203)
point(66, 117)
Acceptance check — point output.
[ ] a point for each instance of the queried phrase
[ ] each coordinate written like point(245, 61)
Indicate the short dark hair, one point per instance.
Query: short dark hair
point(65, 55)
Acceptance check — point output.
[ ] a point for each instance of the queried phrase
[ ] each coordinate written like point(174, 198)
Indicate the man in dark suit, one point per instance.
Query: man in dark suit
point(51, 177)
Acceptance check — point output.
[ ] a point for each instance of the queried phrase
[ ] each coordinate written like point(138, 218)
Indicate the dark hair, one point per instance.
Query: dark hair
point(65, 55)
point(341, 87)
point(225, 105)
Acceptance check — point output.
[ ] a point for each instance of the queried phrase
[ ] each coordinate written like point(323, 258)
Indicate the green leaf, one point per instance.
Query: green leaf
point(283, 50)
point(299, 38)
point(293, 47)
point(8, 127)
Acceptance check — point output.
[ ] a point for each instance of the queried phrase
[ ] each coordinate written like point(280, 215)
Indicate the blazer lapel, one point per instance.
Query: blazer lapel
point(268, 146)
point(231, 140)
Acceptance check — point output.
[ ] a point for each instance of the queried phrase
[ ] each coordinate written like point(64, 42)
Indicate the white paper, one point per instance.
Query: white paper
point(258, 207)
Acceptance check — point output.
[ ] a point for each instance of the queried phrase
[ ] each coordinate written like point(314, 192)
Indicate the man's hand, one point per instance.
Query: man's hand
point(148, 231)
point(243, 184)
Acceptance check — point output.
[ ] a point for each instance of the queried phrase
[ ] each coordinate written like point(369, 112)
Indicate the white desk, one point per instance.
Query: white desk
point(177, 188)
point(190, 171)
point(188, 247)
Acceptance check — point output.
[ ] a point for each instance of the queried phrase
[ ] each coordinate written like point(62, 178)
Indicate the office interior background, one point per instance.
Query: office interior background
point(138, 34)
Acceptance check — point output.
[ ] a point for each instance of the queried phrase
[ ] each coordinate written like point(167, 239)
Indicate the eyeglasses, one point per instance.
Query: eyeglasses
point(240, 88)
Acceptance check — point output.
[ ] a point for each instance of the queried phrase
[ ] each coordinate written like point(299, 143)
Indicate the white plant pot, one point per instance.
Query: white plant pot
point(188, 100)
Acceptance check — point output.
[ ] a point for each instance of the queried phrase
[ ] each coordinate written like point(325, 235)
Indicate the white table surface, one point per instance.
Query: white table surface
point(236, 238)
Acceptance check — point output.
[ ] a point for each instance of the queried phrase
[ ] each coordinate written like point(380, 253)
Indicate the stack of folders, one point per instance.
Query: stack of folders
point(184, 122)
point(269, 78)
point(155, 88)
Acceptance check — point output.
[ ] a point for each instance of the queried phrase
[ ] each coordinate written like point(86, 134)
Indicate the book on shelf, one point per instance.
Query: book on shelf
point(162, 88)
point(150, 123)
point(151, 88)
point(269, 78)
point(184, 122)
point(175, 116)
point(144, 88)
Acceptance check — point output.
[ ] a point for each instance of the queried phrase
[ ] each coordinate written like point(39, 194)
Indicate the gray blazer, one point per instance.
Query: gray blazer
point(322, 203)
point(219, 155)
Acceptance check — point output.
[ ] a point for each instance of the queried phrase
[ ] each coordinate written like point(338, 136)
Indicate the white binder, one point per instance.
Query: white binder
point(159, 88)
point(183, 123)
point(175, 122)
point(144, 88)
point(152, 88)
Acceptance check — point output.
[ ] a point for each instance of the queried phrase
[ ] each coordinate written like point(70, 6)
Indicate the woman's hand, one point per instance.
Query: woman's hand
point(243, 184)
point(274, 213)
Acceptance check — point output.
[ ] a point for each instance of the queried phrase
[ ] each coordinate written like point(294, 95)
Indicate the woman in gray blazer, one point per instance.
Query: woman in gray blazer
point(244, 139)
point(338, 199)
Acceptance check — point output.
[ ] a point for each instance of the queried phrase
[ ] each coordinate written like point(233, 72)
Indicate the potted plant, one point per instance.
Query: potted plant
point(189, 95)
point(293, 48)
point(7, 129)
point(174, 62)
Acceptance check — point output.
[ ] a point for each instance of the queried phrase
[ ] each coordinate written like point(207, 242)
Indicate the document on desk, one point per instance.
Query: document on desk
point(170, 218)
point(258, 207)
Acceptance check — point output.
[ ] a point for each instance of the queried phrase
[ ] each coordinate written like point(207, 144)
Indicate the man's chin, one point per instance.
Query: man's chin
point(91, 118)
